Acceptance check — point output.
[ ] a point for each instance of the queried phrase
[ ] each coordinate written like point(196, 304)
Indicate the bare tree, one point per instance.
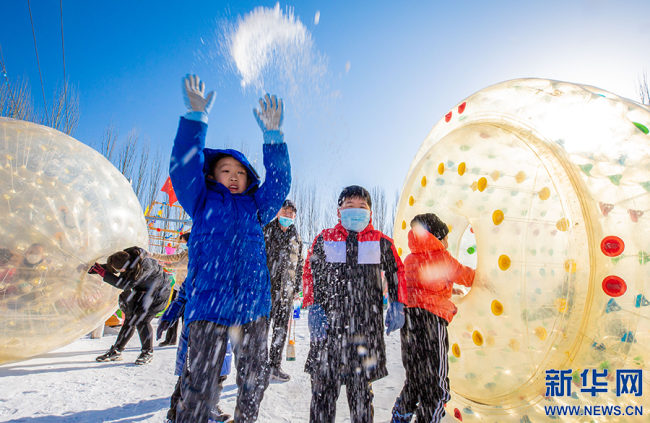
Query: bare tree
point(142, 174)
point(393, 214)
point(64, 115)
point(16, 100)
point(128, 153)
point(643, 89)
point(109, 140)
point(378, 195)
point(308, 219)
point(155, 172)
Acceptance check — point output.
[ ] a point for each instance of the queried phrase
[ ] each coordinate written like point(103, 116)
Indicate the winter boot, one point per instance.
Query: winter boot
point(399, 415)
point(111, 355)
point(277, 375)
point(146, 356)
point(218, 415)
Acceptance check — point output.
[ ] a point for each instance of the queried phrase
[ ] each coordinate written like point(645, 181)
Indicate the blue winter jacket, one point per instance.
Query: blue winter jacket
point(228, 280)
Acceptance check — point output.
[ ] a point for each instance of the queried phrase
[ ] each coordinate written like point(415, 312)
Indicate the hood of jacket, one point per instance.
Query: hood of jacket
point(421, 241)
point(253, 178)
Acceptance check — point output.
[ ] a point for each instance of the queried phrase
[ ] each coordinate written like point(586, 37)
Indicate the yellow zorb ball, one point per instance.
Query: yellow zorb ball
point(545, 186)
point(63, 205)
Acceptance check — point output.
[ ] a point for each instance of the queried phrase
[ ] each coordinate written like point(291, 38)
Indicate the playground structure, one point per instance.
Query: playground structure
point(545, 186)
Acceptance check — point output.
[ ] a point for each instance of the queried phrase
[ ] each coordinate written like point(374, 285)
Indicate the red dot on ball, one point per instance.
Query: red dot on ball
point(614, 286)
point(461, 108)
point(448, 117)
point(612, 246)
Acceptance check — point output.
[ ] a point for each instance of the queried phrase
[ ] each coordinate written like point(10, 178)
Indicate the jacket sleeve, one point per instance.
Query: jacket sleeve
point(461, 275)
point(116, 281)
point(178, 261)
point(394, 272)
point(186, 165)
point(312, 265)
point(277, 183)
point(299, 266)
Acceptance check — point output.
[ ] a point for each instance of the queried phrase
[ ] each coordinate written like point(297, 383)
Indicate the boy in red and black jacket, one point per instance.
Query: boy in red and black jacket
point(342, 282)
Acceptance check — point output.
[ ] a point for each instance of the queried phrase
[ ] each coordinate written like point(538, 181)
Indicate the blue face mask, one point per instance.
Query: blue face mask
point(355, 220)
point(182, 247)
point(285, 221)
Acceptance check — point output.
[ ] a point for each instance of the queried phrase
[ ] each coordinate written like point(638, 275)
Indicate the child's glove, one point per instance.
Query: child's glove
point(97, 269)
point(317, 323)
point(198, 107)
point(394, 317)
point(269, 118)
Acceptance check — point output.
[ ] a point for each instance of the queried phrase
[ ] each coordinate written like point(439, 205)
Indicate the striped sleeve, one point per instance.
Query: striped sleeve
point(308, 277)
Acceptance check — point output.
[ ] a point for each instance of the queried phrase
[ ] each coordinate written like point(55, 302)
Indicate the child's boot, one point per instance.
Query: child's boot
point(399, 415)
point(146, 356)
point(111, 355)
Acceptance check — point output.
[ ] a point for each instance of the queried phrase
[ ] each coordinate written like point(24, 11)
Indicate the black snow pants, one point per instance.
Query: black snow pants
point(176, 397)
point(200, 388)
point(425, 346)
point(139, 311)
point(325, 393)
point(281, 309)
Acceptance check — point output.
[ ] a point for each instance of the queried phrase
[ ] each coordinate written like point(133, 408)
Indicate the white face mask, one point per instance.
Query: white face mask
point(33, 258)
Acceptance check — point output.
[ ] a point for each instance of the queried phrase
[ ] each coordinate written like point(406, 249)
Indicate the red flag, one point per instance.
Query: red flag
point(169, 190)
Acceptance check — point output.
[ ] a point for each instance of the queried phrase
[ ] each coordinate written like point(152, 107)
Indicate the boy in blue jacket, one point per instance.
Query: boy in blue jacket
point(227, 287)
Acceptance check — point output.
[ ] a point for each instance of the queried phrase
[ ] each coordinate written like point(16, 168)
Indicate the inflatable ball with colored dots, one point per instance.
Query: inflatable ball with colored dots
point(64, 205)
point(545, 173)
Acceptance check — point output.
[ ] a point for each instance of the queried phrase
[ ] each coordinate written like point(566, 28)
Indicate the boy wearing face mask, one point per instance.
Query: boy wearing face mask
point(177, 261)
point(284, 260)
point(343, 284)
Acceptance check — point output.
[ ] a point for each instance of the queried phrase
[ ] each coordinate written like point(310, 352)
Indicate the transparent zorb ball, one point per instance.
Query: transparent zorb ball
point(63, 205)
point(546, 188)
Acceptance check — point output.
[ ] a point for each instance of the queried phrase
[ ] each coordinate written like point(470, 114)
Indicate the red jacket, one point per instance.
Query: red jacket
point(431, 272)
point(343, 274)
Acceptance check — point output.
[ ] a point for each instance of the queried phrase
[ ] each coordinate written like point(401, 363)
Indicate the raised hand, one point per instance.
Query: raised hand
point(269, 117)
point(197, 105)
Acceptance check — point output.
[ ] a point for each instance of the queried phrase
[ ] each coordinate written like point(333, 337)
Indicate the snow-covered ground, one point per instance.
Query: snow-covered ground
point(68, 385)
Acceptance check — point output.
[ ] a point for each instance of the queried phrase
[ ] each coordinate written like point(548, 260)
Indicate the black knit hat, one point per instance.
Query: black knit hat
point(289, 203)
point(355, 191)
point(432, 224)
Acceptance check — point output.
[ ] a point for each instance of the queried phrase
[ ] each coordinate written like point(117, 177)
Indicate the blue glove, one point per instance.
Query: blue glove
point(269, 118)
point(394, 317)
point(318, 323)
point(198, 107)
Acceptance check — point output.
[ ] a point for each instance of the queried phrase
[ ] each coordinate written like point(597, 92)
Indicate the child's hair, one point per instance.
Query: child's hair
point(288, 203)
point(118, 261)
point(220, 156)
point(432, 224)
point(185, 237)
point(355, 191)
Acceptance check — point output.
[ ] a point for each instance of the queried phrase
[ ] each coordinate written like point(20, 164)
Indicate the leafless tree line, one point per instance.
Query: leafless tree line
point(643, 89)
point(133, 157)
point(16, 102)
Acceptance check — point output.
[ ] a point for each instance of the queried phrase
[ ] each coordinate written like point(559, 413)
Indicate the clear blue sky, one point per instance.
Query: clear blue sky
point(410, 63)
